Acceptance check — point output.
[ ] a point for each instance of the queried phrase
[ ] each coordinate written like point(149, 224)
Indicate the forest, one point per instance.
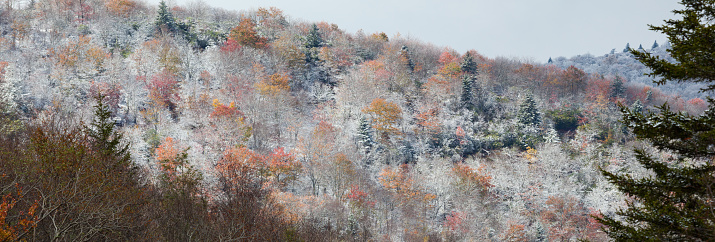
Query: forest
point(125, 121)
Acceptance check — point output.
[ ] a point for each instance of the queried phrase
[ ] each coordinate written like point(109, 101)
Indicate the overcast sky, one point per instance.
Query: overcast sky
point(535, 29)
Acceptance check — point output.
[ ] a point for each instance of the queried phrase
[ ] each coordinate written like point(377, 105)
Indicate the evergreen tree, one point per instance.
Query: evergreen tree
point(313, 39)
point(628, 48)
point(677, 202)
point(165, 19)
point(550, 61)
point(528, 113)
point(468, 65)
point(637, 107)
point(617, 88)
point(365, 134)
point(655, 45)
point(640, 47)
point(692, 45)
point(467, 98)
point(107, 141)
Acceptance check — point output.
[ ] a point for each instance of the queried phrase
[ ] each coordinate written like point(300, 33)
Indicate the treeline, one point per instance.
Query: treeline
point(223, 125)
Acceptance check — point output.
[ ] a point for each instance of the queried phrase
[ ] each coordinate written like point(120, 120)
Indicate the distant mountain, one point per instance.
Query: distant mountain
point(619, 63)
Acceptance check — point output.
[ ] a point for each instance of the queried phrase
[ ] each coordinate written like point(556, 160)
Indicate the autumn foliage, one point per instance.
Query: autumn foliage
point(386, 116)
point(245, 34)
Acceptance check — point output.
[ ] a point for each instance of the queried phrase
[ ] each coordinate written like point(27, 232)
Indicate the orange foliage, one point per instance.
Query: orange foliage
point(450, 65)
point(598, 89)
point(79, 51)
point(428, 121)
point(567, 219)
point(221, 110)
point(359, 198)
point(470, 179)
point(400, 182)
point(25, 221)
point(281, 166)
point(167, 154)
point(516, 233)
point(274, 85)
point(245, 34)
point(385, 116)
point(120, 8)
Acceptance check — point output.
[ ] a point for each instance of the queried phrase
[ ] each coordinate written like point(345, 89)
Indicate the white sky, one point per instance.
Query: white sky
point(527, 29)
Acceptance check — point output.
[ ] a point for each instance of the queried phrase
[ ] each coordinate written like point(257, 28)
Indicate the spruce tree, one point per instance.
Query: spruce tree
point(528, 113)
point(628, 48)
point(640, 47)
point(550, 61)
point(467, 98)
point(165, 19)
point(617, 88)
point(107, 141)
point(365, 134)
point(676, 203)
point(313, 39)
point(655, 45)
point(468, 65)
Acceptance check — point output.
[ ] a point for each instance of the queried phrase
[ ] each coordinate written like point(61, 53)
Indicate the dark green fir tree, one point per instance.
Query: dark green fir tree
point(468, 65)
point(655, 45)
point(467, 98)
point(313, 39)
point(617, 88)
point(676, 202)
point(164, 19)
point(365, 134)
point(528, 113)
point(106, 140)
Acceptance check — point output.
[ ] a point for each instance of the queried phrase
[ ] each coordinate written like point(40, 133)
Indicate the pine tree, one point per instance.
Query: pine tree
point(550, 61)
point(640, 47)
point(628, 48)
point(655, 45)
point(676, 203)
point(468, 65)
point(617, 88)
point(528, 113)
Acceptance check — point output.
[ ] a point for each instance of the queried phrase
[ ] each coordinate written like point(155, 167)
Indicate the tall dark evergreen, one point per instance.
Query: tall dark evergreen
point(467, 98)
point(550, 61)
point(313, 39)
point(676, 202)
point(106, 140)
point(655, 45)
point(468, 65)
point(628, 48)
point(617, 88)
point(365, 134)
point(640, 47)
point(692, 45)
point(164, 18)
point(528, 113)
